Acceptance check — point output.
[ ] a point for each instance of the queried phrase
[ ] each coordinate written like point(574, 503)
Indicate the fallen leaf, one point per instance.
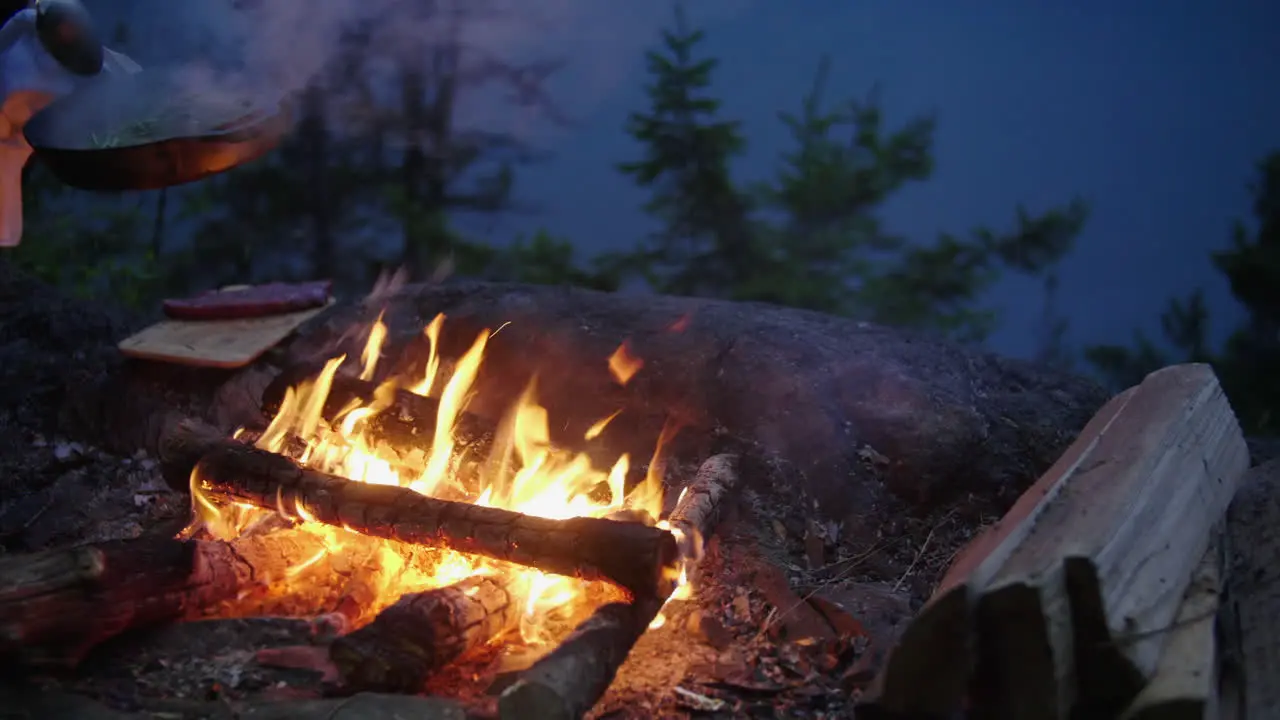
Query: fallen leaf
point(780, 530)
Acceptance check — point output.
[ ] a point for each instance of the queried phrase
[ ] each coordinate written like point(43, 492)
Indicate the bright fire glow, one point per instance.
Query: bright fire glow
point(524, 473)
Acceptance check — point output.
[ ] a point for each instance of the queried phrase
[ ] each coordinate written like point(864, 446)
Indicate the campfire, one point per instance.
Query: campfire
point(511, 466)
point(418, 535)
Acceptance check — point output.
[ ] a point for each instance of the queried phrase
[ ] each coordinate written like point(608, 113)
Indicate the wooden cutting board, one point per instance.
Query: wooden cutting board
point(214, 343)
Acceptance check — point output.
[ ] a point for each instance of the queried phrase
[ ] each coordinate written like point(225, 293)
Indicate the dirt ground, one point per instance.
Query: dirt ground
point(763, 636)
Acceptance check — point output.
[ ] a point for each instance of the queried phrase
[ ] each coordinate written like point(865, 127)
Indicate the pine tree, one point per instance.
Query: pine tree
point(811, 237)
point(1247, 364)
point(828, 189)
point(706, 244)
point(446, 170)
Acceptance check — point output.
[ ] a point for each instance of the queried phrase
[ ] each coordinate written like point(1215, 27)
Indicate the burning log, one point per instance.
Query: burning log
point(567, 682)
point(1065, 604)
point(423, 632)
point(55, 606)
point(637, 557)
point(407, 421)
point(702, 506)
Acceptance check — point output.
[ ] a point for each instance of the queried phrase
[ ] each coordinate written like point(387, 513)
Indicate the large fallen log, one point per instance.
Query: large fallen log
point(567, 682)
point(422, 632)
point(1064, 604)
point(639, 558)
point(57, 605)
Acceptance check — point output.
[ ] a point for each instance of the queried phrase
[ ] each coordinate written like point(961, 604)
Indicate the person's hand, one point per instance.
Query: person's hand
point(44, 54)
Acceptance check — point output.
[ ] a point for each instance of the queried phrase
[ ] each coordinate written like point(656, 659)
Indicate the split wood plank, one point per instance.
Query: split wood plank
point(1251, 602)
point(1084, 571)
point(1092, 591)
point(1185, 685)
point(929, 671)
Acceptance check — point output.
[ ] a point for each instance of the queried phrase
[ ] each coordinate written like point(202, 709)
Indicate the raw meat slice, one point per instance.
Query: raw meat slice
point(250, 302)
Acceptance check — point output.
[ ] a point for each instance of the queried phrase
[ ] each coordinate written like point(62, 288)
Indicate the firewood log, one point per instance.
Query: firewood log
point(1062, 605)
point(639, 558)
point(57, 605)
point(182, 442)
point(409, 421)
point(567, 682)
point(422, 632)
point(1185, 684)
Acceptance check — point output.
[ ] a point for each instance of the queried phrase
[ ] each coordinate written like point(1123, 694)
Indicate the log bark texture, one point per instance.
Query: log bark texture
point(569, 680)
point(1064, 603)
point(422, 632)
point(639, 558)
point(57, 605)
point(704, 503)
point(566, 683)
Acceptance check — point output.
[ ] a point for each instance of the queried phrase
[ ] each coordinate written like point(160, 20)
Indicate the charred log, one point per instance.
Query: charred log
point(704, 503)
point(182, 443)
point(57, 605)
point(407, 421)
point(423, 632)
point(637, 557)
point(566, 683)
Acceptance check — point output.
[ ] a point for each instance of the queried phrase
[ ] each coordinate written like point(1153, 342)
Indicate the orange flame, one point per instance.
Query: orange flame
point(623, 365)
point(525, 473)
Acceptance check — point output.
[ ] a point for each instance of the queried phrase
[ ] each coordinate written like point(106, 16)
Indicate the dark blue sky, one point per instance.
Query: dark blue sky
point(1154, 111)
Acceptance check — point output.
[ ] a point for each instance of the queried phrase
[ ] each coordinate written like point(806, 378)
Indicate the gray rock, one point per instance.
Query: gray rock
point(833, 409)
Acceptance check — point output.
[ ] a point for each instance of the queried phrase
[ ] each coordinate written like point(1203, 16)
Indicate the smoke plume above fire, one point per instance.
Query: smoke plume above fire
point(282, 46)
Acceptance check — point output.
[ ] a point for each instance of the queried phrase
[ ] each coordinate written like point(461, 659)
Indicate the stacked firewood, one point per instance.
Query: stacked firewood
point(56, 606)
point(1097, 594)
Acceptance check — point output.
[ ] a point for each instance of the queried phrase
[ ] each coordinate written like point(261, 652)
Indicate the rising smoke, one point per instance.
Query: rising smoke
point(281, 46)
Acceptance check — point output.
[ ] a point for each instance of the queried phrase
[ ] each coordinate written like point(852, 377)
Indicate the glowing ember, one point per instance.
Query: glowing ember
point(523, 473)
point(623, 365)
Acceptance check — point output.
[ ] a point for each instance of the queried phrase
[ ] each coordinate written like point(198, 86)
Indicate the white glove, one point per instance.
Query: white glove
point(30, 79)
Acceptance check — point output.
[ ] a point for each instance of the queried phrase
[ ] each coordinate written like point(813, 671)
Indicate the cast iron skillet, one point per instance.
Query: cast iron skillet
point(151, 129)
